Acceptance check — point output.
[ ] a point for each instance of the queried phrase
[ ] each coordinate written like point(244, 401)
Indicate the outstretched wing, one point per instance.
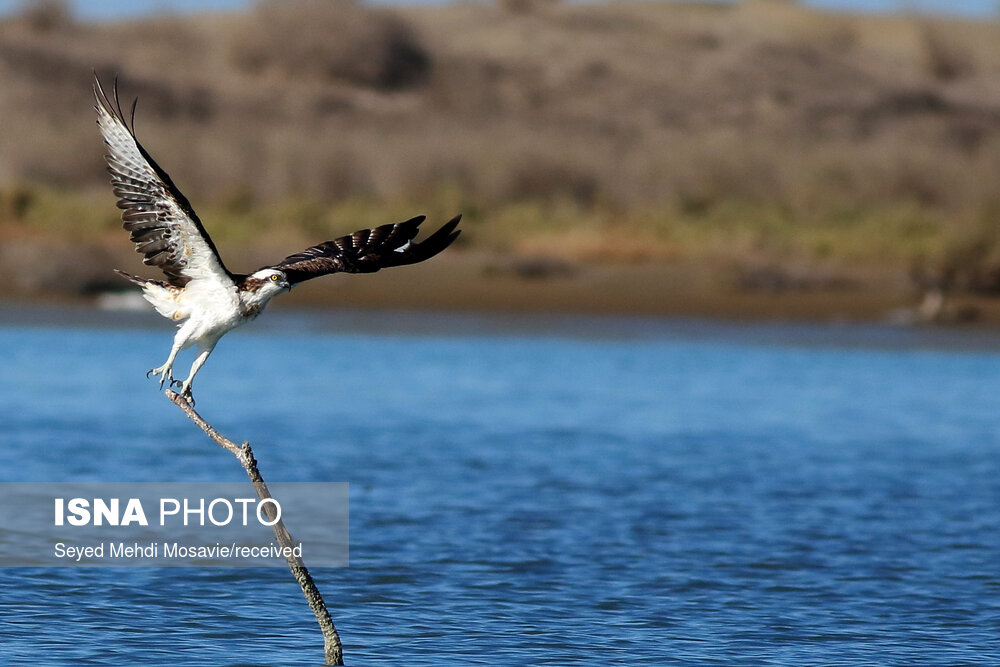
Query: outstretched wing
point(368, 250)
point(157, 216)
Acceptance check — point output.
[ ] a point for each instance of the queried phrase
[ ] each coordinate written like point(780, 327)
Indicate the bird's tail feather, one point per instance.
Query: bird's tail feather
point(162, 296)
point(132, 278)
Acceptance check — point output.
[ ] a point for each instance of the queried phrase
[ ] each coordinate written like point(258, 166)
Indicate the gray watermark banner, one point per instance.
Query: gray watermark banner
point(141, 524)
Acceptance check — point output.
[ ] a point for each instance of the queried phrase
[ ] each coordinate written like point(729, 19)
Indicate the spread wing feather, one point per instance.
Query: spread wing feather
point(368, 250)
point(159, 219)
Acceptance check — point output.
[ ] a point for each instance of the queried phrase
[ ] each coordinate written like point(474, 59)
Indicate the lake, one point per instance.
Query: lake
point(550, 491)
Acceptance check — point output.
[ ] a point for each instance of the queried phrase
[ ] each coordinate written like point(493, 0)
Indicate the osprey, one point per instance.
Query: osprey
point(200, 294)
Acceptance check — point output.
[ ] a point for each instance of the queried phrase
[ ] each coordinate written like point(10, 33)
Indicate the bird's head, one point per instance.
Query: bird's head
point(261, 285)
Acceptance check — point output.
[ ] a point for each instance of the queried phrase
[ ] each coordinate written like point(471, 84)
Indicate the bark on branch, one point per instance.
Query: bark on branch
point(244, 454)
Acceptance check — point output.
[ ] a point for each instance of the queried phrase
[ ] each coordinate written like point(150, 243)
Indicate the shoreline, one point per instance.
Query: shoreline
point(475, 283)
point(293, 321)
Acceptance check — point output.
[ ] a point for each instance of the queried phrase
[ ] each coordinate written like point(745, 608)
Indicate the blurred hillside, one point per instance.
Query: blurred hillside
point(650, 148)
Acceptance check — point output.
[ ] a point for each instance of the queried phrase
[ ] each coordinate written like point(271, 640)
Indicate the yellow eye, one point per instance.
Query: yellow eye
point(274, 277)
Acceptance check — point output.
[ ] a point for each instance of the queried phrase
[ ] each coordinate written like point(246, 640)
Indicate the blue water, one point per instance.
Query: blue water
point(586, 492)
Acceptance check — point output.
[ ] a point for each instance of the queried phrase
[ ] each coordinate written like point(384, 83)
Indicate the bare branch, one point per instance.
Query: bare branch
point(244, 454)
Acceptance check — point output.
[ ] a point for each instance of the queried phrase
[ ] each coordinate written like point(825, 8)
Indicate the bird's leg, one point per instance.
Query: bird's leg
point(199, 361)
point(165, 371)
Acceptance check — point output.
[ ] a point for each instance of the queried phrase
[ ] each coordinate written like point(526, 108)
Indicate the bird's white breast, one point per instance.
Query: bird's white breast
point(212, 309)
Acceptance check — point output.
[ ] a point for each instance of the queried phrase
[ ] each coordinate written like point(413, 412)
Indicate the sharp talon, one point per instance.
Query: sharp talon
point(149, 372)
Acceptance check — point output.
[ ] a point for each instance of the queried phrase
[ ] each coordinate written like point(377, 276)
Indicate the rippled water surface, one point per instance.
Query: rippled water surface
point(600, 492)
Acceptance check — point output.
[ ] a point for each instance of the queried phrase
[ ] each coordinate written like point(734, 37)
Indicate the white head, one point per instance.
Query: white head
point(260, 286)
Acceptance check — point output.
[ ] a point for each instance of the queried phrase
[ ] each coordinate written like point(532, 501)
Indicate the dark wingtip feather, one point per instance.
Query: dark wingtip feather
point(451, 224)
point(113, 103)
point(442, 238)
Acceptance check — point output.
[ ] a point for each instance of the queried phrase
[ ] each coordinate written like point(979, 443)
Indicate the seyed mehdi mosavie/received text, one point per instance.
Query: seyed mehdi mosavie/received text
point(146, 550)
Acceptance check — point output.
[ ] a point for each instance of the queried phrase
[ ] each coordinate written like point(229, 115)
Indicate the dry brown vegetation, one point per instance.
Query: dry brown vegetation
point(776, 147)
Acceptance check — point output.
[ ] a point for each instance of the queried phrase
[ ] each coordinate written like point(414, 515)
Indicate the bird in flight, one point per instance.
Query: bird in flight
point(199, 293)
